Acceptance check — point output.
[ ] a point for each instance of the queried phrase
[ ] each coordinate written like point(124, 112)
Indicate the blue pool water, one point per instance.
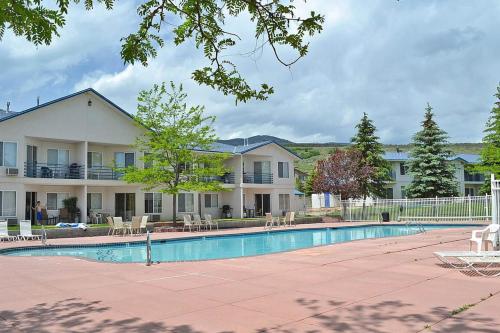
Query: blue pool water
point(223, 246)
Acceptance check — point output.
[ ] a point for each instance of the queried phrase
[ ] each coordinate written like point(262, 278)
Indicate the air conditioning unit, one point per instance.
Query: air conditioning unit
point(12, 171)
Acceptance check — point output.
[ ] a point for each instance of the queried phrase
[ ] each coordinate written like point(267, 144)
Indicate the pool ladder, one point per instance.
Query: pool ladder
point(416, 223)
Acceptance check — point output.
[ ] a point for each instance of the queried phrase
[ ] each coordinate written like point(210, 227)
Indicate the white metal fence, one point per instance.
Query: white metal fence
point(470, 208)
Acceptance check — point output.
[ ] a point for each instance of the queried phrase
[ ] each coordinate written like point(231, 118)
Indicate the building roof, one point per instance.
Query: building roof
point(219, 147)
point(395, 156)
point(91, 90)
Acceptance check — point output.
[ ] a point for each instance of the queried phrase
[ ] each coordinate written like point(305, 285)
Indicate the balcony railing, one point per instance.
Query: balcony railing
point(58, 171)
point(257, 178)
point(226, 179)
point(103, 173)
point(473, 177)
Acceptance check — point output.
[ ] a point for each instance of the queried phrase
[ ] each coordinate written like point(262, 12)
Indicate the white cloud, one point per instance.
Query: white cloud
point(385, 58)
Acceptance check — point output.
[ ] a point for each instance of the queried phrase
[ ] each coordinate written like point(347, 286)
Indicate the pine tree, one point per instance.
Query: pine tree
point(490, 154)
point(433, 174)
point(367, 143)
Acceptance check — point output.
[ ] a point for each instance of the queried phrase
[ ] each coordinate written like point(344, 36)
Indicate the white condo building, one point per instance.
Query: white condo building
point(468, 183)
point(69, 147)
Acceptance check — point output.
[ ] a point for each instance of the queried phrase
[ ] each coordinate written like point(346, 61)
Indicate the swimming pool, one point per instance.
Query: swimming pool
point(223, 246)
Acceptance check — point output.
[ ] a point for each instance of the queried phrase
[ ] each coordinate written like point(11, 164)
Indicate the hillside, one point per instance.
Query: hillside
point(312, 152)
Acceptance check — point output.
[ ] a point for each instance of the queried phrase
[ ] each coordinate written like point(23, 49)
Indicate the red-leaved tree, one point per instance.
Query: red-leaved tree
point(343, 172)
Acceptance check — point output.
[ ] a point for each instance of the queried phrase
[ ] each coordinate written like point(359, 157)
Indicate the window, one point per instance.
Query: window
point(402, 169)
point(94, 201)
point(123, 160)
point(55, 200)
point(94, 159)
point(152, 203)
point(469, 191)
point(284, 202)
point(185, 203)
point(57, 156)
point(212, 201)
point(283, 170)
point(8, 154)
point(8, 203)
point(403, 192)
point(389, 193)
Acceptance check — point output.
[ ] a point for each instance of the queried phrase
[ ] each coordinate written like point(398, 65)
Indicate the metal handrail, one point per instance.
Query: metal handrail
point(59, 171)
point(257, 178)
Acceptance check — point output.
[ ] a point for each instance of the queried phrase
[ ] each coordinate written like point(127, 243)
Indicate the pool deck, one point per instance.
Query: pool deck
point(377, 285)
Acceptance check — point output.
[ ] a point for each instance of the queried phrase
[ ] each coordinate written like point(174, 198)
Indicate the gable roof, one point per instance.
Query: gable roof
point(466, 158)
point(81, 92)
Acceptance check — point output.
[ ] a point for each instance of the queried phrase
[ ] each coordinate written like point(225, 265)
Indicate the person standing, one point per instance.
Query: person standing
point(38, 212)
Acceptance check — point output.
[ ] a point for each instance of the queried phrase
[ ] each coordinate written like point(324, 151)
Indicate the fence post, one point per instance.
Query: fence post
point(436, 209)
point(470, 208)
point(406, 207)
point(350, 210)
point(377, 210)
point(486, 204)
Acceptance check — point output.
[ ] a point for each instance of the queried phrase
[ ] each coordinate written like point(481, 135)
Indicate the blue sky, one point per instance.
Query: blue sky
point(382, 57)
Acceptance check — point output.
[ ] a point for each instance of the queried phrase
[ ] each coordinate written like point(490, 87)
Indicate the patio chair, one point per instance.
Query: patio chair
point(198, 222)
point(4, 233)
point(285, 220)
point(484, 236)
point(479, 262)
point(109, 219)
point(188, 223)
point(209, 222)
point(135, 225)
point(292, 219)
point(270, 221)
point(118, 225)
point(25, 231)
point(144, 223)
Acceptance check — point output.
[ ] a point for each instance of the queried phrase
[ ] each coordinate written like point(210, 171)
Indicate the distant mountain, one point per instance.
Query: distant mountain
point(256, 139)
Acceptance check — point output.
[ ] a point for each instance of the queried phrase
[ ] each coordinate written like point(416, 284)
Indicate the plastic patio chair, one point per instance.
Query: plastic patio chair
point(198, 222)
point(25, 231)
point(118, 225)
point(135, 226)
point(209, 222)
point(292, 219)
point(109, 219)
point(188, 222)
point(484, 236)
point(144, 223)
point(270, 221)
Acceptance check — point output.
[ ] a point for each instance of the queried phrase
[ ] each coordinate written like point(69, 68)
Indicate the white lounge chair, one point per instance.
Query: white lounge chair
point(484, 236)
point(4, 232)
point(25, 230)
point(479, 262)
point(188, 223)
point(209, 222)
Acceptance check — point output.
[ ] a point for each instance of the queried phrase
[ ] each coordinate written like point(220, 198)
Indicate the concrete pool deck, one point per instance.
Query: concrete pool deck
point(377, 285)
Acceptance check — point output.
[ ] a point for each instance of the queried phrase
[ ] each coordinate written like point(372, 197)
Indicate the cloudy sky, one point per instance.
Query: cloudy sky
point(382, 57)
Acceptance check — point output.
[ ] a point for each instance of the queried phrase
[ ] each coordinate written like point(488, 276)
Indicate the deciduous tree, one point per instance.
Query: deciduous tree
point(343, 172)
point(202, 23)
point(175, 142)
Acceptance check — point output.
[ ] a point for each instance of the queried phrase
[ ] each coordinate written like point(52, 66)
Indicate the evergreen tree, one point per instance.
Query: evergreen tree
point(309, 184)
point(433, 175)
point(490, 154)
point(366, 142)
